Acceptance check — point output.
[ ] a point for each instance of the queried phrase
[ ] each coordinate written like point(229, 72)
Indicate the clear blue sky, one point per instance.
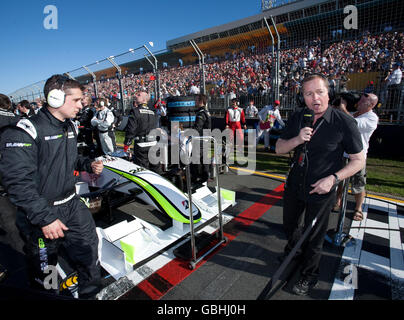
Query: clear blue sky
point(90, 30)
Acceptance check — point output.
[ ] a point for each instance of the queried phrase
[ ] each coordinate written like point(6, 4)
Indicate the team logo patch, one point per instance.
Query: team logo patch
point(17, 145)
point(58, 136)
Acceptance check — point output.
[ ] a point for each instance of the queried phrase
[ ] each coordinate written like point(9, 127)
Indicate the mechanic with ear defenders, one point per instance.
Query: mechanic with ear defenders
point(37, 164)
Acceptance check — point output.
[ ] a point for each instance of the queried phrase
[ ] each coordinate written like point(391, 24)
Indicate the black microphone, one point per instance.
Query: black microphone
point(307, 121)
point(308, 118)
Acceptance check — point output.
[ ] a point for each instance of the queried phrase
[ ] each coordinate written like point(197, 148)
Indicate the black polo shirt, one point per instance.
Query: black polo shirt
point(334, 133)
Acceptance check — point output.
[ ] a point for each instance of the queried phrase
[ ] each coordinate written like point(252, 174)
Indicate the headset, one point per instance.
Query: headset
point(56, 97)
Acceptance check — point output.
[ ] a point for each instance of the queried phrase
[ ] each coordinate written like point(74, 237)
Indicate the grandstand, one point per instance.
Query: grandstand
point(239, 56)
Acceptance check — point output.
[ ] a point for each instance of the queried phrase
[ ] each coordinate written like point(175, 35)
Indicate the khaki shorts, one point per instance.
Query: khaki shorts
point(358, 181)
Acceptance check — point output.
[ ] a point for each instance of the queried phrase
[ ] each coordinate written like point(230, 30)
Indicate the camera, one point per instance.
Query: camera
point(351, 97)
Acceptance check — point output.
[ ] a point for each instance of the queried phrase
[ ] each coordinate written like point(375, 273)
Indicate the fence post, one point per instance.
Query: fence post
point(275, 72)
point(110, 59)
point(201, 57)
point(94, 80)
point(277, 58)
point(156, 72)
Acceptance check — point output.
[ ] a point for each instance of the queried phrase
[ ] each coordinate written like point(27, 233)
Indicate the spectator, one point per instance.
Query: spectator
point(393, 86)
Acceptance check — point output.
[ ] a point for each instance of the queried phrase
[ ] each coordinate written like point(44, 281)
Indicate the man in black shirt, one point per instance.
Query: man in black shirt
point(315, 172)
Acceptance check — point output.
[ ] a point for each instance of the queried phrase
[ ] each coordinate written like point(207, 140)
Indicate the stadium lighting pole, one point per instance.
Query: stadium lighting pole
point(274, 77)
point(201, 57)
point(94, 80)
point(156, 72)
point(277, 57)
point(110, 59)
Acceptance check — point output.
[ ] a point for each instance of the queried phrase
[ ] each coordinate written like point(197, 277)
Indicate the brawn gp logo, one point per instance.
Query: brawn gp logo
point(58, 136)
point(17, 145)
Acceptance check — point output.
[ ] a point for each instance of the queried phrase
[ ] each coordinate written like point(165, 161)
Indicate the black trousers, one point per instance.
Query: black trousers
point(80, 244)
point(141, 158)
point(297, 216)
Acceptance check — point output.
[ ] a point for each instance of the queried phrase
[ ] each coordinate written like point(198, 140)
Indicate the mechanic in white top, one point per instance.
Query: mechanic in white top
point(103, 121)
point(251, 110)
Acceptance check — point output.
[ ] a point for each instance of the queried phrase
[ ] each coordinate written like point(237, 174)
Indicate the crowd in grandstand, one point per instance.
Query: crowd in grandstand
point(248, 73)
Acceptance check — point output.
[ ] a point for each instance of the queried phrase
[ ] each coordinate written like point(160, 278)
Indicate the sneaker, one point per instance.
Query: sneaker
point(302, 287)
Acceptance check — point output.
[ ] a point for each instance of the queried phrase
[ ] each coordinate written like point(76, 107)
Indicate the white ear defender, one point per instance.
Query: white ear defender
point(56, 97)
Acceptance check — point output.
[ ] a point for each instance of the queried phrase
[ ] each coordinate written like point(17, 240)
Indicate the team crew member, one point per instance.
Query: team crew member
point(268, 115)
point(85, 117)
point(235, 118)
point(202, 121)
point(7, 117)
point(315, 172)
point(251, 110)
point(24, 109)
point(38, 159)
point(103, 121)
point(141, 122)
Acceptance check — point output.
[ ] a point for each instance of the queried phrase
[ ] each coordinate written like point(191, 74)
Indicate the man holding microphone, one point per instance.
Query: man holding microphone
point(315, 172)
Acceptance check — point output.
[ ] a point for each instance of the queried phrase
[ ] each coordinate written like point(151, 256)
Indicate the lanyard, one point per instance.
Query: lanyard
point(315, 130)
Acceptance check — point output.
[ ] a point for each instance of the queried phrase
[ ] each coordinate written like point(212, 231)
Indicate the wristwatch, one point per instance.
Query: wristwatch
point(336, 178)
